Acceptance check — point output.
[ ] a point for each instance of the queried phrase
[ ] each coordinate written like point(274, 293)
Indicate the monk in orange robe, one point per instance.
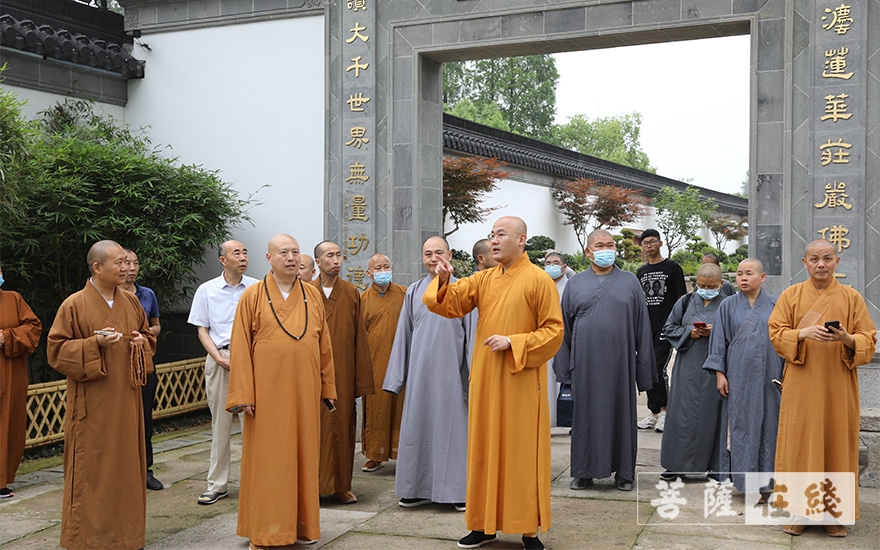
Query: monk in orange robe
point(19, 336)
point(819, 411)
point(354, 372)
point(105, 465)
point(519, 330)
point(281, 367)
point(381, 304)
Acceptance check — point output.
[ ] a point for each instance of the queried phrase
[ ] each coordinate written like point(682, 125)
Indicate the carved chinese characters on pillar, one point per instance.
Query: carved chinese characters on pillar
point(839, 165)
point(358, 127)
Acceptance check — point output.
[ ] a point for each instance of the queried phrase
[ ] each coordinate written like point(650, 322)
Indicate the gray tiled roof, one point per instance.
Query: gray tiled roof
point(470, 138)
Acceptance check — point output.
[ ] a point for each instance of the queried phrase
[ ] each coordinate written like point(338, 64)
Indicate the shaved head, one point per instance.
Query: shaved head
point(710, 271)
point(517, 225)
point(756, 264)
point(435, 241)
point(307, 260)
point(481, 247)
point(319, 248)
point(819, 245)
point(281, 240)
point(377, 259)
point(596, 234)
point(99, 251)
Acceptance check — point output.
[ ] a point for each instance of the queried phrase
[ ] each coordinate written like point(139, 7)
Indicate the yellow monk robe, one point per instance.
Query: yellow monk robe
point(285, 380)
point(21, 334)
point(105, 465)
point(508, 474)
point(354, 378)
point(382, 410)
point(819, 412)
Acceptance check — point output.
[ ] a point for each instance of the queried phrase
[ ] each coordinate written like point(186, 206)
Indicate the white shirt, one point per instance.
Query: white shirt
point(214, 306)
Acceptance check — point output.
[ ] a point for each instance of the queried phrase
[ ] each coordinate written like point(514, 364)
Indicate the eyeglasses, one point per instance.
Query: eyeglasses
point(501, 235)
point(650, 242)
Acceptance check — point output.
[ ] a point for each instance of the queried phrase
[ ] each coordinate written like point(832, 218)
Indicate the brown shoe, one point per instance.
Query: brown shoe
point(835, 530)
point(372, 466)
point(346, 497)
point(796, 529)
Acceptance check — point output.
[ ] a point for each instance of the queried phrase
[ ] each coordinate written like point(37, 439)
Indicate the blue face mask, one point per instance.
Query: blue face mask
point(555, 271)
point(382, 278)
point(604, 258)
point(1, 279)
point(707, 293)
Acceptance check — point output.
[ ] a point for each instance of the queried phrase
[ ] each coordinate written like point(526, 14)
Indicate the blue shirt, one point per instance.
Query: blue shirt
point(214, 306)
point(148, 301)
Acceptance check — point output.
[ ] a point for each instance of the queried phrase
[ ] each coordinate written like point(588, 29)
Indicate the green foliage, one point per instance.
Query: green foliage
point(85, 178)
point(461, 255)
point(615, 139)
point(466, 181)
point(540, 243)
point(522, 89)
point(741, 254)
point(462, 268)
point(487, 113)
point(680, 215)
point(691, 257)
point(727, 228)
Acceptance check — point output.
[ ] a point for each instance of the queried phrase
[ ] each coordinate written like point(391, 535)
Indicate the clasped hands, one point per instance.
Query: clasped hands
point(105, 340)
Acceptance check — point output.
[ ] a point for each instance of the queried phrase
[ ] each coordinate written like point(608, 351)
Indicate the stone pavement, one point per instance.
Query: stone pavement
point(600, 517)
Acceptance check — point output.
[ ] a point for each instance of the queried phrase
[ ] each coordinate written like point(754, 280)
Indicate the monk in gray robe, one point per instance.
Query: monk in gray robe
point(607, 352)
point(693, 415)
point(745, 365)
point(429, 357)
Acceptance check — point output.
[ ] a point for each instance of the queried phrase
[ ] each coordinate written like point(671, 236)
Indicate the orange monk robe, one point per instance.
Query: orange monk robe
point(105, 465)
point(354, 378)
point(508, 474)
point(382, 410)
point(819, 412)
point(21, 334)
point(285, 380)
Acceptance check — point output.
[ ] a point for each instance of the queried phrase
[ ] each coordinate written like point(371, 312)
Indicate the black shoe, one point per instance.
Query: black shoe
point(668, 476)
point(624, 485)
point(6, 492)
point(580, 483)
point(459, 506)
point(532, 543)
point(475, 539)
point(153, 484)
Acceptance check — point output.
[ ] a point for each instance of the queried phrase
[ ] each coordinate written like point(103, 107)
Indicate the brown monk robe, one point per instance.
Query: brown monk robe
point(105, 466)
point(383, 410)
point(19, 336)
point(354, 373)
point(281, 367)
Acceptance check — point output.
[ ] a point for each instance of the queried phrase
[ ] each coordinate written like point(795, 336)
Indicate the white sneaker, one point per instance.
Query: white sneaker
point(661, 422)
point(648, 422)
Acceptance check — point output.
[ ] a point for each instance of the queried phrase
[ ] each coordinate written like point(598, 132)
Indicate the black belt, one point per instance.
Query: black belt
point(224, 348)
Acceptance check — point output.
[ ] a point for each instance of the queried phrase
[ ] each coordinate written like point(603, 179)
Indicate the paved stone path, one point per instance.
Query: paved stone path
point(600, 517)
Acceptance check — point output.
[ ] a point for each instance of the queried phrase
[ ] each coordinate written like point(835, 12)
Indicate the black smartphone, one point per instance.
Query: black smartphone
point(835, 324)
point(330, 406)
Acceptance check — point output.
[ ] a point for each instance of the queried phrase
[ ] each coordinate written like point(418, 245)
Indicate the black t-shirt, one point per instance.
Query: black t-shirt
point(663, 284)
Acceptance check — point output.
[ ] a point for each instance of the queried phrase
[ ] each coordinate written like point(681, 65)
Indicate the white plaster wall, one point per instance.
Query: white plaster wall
point(247, 100)
point(535, 204)
point(38, 101)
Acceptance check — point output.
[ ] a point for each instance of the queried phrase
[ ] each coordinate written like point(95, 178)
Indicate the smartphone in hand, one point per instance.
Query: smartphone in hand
point(330, 406)
point(835, 324)
point(699, 324)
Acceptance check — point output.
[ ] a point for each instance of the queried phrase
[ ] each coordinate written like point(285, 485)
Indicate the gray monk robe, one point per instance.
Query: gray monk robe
point(607, 351)
point(690, 438)
point(429, 357)
point(740, 348)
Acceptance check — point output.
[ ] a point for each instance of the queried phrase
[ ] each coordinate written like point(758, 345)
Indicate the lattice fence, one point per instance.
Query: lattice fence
point(181, 389)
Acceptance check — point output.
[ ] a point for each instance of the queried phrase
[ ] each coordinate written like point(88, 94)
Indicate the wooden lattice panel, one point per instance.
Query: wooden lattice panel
point(181, 389)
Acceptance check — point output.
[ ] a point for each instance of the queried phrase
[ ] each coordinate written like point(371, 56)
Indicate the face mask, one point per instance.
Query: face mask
point(604, 258)
point(1, 280)
point(555, 271)
point(382, 278)
point(707, 293)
